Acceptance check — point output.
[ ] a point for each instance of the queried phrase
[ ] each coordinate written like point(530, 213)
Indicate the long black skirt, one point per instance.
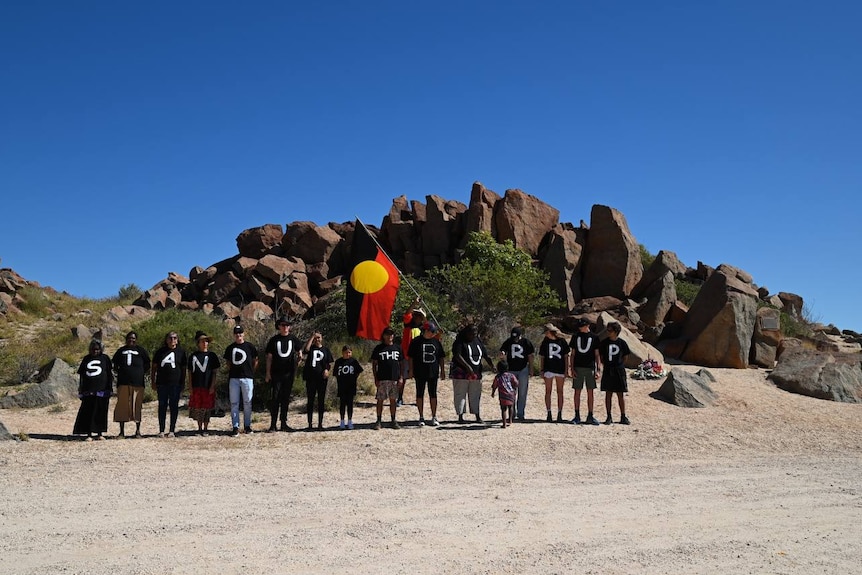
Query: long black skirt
point(92, 415)
point(614, 380)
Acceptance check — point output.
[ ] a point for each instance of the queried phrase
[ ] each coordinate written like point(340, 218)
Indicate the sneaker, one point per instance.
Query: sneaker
point(576, 419)
point(235, 432)
point(138, 435)
point(479, 419)
point(421, 423)
point(377, 425)
point(349, 425)
point(272, 429)
point(434, 422)
point(399, 403)
point(100, 438)
point(205, 434)
point(559, 417)
point(285, 427)
point(591, 420)
point(88, 438)
point(170, 434)
point(162, 434)
point(341, 425)
point(609, 421)
point(248, 430)
point(395, 425)
point(460, 418)
point(550, 417)
point(625, 420)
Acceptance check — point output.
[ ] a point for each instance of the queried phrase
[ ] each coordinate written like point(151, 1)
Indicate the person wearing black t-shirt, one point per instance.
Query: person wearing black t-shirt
point(95, 383)
point(585, 359)
point(283, 351)
point(131, 362)
point(468, 351)
point(613, 352)
point(203, 372)
point(519, 353)
point(554, 352)
point(169, 379)
point(425, 358)
point(241, 362)
point(386, 365)
point(318, 363)
point(347, 371)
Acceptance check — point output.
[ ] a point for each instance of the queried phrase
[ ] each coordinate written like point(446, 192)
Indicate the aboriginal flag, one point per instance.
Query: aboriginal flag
point(371, 287)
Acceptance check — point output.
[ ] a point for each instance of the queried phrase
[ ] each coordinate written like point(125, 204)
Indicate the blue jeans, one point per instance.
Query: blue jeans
point(237, 386)
point(523, 387)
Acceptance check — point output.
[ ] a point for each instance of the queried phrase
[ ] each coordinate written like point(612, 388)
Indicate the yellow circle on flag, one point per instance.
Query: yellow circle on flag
point(369, 277)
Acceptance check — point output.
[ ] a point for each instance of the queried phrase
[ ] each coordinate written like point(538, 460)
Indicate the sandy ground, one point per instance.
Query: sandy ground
point(763, 482)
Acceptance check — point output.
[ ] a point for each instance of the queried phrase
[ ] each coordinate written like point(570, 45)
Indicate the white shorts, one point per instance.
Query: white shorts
point(551, 375)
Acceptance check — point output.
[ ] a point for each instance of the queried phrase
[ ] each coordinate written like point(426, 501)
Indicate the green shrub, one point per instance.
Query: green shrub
point(686, 291)
point(646, 258)
point(35, 301)
point(129, 293)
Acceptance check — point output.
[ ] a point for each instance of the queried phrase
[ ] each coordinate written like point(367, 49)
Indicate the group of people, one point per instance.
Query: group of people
point(420, 356)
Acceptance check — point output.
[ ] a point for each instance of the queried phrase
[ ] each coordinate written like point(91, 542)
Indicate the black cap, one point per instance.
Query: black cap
point(517, 331)
point(238, 329)
point(581, 322)
point(282, 320)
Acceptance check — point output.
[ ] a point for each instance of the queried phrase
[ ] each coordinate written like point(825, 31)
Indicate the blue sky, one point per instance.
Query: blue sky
point(139, 138)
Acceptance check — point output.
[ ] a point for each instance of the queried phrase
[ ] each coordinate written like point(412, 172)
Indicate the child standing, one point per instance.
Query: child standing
point(506, 383)
point(347, 370)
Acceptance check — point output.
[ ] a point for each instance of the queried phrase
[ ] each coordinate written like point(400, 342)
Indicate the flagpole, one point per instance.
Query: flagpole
point(400, 273)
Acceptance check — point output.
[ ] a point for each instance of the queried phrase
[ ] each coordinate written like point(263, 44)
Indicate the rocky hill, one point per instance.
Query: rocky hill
point(596, 268)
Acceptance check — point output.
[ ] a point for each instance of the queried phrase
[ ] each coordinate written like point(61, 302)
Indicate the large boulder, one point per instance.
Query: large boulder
point(480, 213)
point(660, 295)
point(688, 389)
point(309, 242)
point(277, 268)
point(440, 228)
point(561, 259)
point(612, 261)
point(223, 287)
point(719, 326)
point(820, 374)
point(792, 304)
point(55, 382)
point(524, 219)
point(256, 242)
point(766, 338)
point(640, 350)
point(663, 263)
point(4, 433)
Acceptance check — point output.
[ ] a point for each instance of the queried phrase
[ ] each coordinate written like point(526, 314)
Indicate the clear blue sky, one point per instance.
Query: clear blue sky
point(139, 138)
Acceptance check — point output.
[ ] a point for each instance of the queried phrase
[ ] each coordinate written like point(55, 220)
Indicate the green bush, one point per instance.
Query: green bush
point(686, 291)
point(129, 293)
point(35, 301)
point(646, 258)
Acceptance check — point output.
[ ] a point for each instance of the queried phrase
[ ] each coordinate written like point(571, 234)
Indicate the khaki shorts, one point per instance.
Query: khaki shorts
point(584, 377)
point(387, 389)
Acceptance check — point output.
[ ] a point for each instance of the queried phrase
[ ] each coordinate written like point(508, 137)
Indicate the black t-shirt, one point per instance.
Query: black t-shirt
point(473, 352)
point(131, 363)
point(554, 351)
point(613, 353)
point(240, 357)
point(426, 353)
point(95, 374)
point(203, 366)
point(319, 359)
point(347, 370)
point(170, 366)
point(583, 347)
point(388, 361)
point(518, 352)
point(283, 349)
